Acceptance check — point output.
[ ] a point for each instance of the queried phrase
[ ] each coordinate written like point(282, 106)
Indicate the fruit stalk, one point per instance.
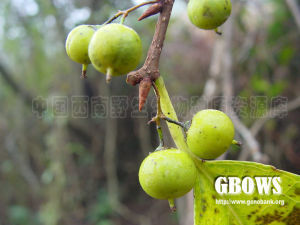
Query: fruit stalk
point(83, 71)
point(172, 205)
point(109, 72)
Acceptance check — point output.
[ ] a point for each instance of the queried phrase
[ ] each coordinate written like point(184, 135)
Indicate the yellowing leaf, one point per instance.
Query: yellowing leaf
point(241, 208)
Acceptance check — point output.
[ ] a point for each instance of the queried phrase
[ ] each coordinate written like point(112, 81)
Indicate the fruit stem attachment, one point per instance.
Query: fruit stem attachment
point(172, 205)
point(123, 18)
point(217, 31)
point(109, 73)
point(83, 71)
point(234, 142)
point(127, 11)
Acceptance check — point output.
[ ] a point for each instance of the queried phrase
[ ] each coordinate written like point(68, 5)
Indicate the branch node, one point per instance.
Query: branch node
point(134, 78)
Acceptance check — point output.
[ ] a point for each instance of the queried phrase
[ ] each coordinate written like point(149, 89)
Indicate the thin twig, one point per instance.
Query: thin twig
point(127, 11)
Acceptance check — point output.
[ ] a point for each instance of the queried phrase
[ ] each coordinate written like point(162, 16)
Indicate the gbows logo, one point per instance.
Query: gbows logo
point(234, 185)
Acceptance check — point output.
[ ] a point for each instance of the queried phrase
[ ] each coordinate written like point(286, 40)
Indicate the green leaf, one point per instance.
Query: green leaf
point(207, 211)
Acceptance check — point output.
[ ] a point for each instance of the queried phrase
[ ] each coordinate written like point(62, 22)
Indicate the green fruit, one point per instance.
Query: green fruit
point(115, 49)
point(210, 134)
point(208, 14)
point(167, 174)
point(77, 43)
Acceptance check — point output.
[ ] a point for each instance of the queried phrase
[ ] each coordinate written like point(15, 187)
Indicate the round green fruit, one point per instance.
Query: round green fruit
point(77, 43)
point(208, 14)
point(210, 134)
point(115, 49)
point(167, 174)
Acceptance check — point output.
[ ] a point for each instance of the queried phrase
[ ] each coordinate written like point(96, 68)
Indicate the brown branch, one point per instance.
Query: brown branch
point(151, 65)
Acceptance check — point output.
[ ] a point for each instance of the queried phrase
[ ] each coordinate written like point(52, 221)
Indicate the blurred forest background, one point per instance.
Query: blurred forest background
point(70, 152)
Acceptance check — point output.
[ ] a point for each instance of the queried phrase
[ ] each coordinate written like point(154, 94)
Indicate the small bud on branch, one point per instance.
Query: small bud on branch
point(152, 10)
point(144, 88)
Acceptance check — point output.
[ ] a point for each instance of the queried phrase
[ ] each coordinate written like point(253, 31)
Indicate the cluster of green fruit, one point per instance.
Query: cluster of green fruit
point(113, 49)
point(171, 173)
